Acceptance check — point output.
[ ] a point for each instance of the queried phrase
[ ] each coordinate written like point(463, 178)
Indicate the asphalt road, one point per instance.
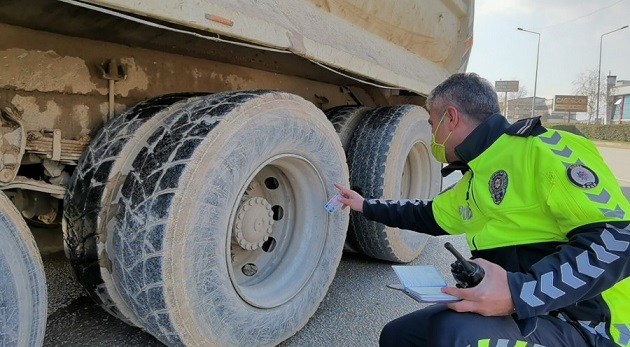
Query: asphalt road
point(617, 156)
point(357, 305)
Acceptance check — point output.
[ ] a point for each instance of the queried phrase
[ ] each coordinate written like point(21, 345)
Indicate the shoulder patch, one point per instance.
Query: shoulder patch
point(498, 185)
point(526, 127)
point(582, 177)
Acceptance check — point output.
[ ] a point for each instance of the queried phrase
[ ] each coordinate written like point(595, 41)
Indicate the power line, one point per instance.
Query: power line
point(580, 17)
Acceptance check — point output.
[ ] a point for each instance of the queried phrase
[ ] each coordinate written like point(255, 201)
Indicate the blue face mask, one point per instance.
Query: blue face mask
point(438, 149)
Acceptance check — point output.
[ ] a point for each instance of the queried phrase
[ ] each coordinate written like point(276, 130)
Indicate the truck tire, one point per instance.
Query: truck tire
point(90, 202)
point(23, 302)
point(345, 120)
point(222, 238)
point(389, 158)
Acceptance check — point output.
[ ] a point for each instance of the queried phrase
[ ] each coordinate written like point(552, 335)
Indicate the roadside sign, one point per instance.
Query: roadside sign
point(506, 86)
point(570, 103)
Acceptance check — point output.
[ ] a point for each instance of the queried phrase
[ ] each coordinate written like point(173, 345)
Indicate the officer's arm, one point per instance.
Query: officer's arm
point(595, 258)
point(416, 215)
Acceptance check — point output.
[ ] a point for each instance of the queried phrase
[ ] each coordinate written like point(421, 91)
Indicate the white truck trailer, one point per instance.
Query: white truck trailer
point(185, 148)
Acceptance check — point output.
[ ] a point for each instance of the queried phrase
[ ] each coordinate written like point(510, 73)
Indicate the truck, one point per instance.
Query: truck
point(184, 150)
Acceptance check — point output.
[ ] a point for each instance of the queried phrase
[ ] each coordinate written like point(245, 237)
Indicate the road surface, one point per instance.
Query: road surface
point(617, 156)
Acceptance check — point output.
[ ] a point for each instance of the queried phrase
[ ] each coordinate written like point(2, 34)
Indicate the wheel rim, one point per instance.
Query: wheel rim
point(273, 245)
point(415, 180)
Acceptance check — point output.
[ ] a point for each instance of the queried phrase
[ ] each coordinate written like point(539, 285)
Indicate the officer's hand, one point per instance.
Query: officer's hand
point(491, 297)
point(350, 198)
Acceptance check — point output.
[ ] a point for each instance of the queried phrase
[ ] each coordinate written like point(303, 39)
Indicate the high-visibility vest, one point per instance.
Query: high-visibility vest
point(537, 189)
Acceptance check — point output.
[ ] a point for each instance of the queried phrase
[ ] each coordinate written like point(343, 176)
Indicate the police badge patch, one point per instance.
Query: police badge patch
point(582, 176)
point(498, 185)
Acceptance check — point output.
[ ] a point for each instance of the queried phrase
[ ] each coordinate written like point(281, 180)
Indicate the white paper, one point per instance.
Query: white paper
point(422, 283)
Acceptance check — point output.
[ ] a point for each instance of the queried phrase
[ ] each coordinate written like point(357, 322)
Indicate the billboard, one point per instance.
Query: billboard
point(570, 103)
point(506, 86)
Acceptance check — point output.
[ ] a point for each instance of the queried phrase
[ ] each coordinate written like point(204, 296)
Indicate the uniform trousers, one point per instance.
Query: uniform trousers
point(438, 326)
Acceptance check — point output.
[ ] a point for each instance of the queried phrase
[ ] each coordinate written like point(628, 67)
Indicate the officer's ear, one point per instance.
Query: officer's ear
point(452, 118)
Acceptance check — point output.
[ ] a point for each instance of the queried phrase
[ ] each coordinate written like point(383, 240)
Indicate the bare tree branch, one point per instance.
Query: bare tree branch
point(586, 84)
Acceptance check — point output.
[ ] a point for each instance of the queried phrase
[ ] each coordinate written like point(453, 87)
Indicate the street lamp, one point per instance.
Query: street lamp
point(536, 76)
point(599, 71)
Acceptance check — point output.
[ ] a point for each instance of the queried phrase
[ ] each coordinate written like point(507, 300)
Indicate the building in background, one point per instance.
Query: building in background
point(522, 108)
point(620, 102)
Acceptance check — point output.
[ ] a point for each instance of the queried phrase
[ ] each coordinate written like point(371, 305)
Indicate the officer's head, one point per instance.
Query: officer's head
point(456, 107)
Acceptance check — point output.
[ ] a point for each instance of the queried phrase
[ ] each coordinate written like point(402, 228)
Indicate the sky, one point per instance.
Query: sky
point(570, 32)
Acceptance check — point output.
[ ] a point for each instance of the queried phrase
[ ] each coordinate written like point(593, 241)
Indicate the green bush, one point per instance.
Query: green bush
point(572, 128)
point(613, 132)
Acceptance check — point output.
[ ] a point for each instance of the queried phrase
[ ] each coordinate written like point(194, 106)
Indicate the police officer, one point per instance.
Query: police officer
point(543, 216)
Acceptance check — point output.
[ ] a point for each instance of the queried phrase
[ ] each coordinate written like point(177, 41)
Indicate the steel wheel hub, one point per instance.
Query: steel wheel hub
point(254, 222)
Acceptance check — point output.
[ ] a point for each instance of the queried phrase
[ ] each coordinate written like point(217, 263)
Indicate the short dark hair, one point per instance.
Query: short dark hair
point(469, 93)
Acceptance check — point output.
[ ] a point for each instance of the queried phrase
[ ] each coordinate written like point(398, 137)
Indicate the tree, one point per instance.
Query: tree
point(586, 84)
point(522, 92)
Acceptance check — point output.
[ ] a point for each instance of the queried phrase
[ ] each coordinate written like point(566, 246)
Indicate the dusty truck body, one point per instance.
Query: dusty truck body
point(186, 150)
